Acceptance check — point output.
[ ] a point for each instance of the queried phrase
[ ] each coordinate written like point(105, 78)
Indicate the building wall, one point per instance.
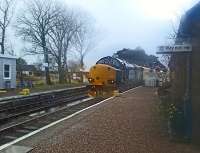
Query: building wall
point(12, 63)
point(179, 85)
point(196, 89)
point(189, 32)
point(178, 79)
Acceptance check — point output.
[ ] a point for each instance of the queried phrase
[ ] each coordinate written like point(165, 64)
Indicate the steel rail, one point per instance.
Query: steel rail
point(49, 103)
point(19, 129)
point(35, 100)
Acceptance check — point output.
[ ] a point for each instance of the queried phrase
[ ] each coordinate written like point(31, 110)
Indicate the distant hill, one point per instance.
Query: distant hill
point(139, 57)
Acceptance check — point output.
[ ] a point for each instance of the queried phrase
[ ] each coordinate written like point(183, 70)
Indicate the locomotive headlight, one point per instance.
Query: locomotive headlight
point(90, 79)
point(111, 81)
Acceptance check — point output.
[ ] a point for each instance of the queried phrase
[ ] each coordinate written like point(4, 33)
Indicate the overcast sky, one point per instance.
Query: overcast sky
point(131, 23)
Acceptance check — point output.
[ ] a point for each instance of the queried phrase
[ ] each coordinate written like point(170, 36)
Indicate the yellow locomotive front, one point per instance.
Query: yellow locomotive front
point(102, 79)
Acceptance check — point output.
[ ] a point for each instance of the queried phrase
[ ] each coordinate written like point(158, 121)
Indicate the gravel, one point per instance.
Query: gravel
point(125, 124)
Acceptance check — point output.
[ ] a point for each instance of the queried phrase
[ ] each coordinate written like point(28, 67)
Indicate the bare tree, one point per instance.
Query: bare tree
point(84, 42)
point(60, 36)
point(165, 59)
point(34, 25)
point(52, 30)
point(172, 36)
point(73, 26)
point(6, 13)
point(73, 65)
point(56, 42)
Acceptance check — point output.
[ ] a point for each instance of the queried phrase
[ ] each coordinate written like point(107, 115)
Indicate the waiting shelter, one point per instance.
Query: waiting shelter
point(7, 72)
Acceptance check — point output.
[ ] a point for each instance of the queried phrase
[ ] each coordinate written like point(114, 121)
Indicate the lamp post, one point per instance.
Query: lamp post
point(185, 49)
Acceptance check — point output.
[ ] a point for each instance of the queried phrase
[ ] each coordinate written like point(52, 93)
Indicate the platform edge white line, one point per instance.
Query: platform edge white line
point(56, 122)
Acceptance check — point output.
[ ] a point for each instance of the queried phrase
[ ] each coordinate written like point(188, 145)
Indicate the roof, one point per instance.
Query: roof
point(7, 56)
point(116, 63)
point(128, 64)
point(189, 26)
point(108, 60)
point(27, 68)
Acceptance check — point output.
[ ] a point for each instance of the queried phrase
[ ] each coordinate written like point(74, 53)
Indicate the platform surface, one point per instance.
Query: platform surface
point(128, 123)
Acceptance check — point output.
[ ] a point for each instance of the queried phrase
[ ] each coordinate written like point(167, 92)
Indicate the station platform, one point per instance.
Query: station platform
point(128, 123)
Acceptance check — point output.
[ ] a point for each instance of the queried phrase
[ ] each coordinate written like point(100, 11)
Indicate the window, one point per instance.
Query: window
point(6, 71)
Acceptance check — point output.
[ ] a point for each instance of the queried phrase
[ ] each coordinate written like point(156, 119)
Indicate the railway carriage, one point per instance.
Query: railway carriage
point(111, 74)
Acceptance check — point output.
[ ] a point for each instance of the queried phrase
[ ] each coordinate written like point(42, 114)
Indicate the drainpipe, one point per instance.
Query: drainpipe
point(187, 99)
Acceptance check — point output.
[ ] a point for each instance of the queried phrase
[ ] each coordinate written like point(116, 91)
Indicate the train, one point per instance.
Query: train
point(110, 75)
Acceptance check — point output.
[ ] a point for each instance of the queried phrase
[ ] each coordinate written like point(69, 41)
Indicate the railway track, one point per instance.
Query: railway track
point(24, 115)
point(60, 106)
point(31, 104)
point(18, 130)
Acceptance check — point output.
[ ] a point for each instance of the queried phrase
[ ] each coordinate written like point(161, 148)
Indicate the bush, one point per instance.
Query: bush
point(173, 117)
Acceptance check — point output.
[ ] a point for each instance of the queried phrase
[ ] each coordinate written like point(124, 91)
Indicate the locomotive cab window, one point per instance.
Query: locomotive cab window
point(7, 71)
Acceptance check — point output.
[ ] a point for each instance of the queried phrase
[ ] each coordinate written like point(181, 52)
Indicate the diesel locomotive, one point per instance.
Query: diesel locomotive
point(111, 74)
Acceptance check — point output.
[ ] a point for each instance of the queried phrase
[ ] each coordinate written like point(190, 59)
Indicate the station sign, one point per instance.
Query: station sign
point(170, 49)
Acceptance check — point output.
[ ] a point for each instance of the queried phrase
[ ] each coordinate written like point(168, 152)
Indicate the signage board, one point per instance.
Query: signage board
point(170, 49)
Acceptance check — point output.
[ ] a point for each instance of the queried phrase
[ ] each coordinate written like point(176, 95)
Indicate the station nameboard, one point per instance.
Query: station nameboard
point(170, 49)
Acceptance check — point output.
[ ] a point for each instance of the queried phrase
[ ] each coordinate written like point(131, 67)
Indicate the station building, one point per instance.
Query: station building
point(7, 72)
point(188, 33)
